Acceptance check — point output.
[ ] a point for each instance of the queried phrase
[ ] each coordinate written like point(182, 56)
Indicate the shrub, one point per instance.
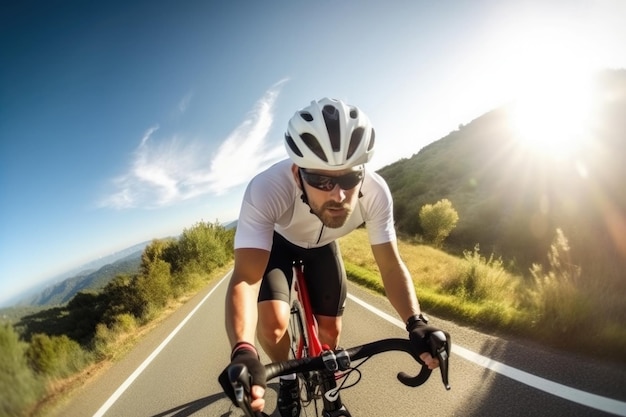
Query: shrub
point(107, 336)
point(154, 284)
point(558, 302)
point(482, 279)
point(438, 220)
point(56, 356)
point(19, 385)
point(204, 247)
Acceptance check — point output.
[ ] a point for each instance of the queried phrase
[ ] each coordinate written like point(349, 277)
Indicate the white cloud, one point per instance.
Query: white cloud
point(166, 172)
point(183, 105)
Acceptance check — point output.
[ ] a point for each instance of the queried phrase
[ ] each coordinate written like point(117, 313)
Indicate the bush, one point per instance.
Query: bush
point(204, 247)
point(122, 297)
point(154, 285)
point(438, 220)
point(559, 305)
point(56, 356)
point(107, 336)
point(19, 385)
point(482, 279)
point(124, 323)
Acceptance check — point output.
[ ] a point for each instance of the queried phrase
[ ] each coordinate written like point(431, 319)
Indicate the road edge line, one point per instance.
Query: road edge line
point(127, 383)
point(585, 398)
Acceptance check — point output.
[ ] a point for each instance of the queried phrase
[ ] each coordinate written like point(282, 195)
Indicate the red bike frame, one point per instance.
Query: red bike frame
point(315, 346)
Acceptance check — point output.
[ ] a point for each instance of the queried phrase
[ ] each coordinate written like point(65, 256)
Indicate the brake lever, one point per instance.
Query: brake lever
point(241, 381)
point(440, 347)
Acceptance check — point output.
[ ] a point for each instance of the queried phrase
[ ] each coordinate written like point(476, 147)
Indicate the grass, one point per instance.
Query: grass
point(547, 306)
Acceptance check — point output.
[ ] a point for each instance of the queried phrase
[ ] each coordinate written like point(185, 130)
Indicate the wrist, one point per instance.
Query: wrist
point(239, 346)
point(416, 320)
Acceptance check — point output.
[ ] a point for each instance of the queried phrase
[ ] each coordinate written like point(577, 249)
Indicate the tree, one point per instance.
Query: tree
point(154, 284)
point(204, 247)
point(438, 220)
point(122, 297)
point(158, 249)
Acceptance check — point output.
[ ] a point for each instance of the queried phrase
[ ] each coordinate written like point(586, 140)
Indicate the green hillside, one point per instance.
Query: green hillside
point(64, 291)
point(511, 198)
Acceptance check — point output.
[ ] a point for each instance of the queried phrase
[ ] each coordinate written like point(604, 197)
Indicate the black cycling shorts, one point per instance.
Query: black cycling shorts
point(324, 273)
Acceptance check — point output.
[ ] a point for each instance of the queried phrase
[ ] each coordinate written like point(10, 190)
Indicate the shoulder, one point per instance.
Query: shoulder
point(377, 206)
point(375, 187)
point(271, 192)
point(269, 195)
point(277, 179)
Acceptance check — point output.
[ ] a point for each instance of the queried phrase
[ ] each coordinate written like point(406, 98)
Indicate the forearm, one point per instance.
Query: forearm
point(401, 292)
point(241, 311)
point(242, 295)
point(396, 279)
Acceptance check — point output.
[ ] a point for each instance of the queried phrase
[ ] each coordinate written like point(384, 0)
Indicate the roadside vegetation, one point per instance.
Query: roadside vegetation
point(47, 353)
point(549, 305)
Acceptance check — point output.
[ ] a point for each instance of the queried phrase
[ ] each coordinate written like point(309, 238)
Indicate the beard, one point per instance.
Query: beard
point(333, 215)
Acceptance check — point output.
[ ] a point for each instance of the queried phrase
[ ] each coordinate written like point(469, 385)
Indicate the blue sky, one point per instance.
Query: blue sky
point(121, 122)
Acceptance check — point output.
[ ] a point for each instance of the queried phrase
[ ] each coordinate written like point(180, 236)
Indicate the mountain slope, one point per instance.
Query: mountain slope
point(63, 292)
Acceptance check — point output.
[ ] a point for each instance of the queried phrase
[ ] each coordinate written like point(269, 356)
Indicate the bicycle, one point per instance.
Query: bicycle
point(319, 368)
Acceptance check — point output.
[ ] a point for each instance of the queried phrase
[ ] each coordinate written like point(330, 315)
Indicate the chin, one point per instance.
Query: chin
point(334, 222)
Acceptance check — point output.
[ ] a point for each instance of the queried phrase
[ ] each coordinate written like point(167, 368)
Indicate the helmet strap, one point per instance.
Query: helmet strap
point(303, 196)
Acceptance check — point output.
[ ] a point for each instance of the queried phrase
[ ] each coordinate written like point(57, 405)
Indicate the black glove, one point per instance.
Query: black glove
point(250, 359)
point(419, 334)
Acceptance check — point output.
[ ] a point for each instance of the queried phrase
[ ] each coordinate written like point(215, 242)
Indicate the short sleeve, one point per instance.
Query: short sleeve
point(378, 210)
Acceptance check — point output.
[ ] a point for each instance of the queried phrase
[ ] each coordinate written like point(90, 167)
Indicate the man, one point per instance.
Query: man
point(295, 210)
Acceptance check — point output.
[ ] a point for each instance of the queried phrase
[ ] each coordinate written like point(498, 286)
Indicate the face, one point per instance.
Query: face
point(327, 199)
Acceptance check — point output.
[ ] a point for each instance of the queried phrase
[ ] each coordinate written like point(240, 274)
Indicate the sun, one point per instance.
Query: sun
point(554, 117)
point(553, 100)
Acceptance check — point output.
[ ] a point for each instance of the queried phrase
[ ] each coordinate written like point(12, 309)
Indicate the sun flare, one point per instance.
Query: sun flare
point(555, 117)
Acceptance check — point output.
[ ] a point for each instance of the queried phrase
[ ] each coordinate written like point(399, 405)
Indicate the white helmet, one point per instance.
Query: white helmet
point(329, 135)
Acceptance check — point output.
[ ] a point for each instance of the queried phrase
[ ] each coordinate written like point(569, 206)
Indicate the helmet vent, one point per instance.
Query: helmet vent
point(355, 141)
point(306, 116)
point(370, 146)
point(314, 145)
point(354, 113)
point(331, 118)
point(292, 145)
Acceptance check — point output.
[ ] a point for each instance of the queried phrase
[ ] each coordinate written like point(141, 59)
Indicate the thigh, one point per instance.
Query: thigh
point(326, 280)
point(278, 276)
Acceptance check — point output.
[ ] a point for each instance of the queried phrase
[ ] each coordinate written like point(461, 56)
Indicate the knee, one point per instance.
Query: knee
point(329, 332)
point(271, 327)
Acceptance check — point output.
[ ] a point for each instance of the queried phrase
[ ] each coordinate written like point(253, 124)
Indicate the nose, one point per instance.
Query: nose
point(337, 194)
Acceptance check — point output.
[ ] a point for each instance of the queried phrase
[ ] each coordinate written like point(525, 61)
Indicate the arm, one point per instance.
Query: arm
point(399, 287)
point(396, 279)
point(241, 320)
point(243, 291)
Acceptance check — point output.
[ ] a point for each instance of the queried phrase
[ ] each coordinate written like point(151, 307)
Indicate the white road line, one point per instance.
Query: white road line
point(118, 393)
point(598, 402)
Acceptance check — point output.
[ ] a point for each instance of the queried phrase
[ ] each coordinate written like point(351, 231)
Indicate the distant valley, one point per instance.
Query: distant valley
point(91, 276)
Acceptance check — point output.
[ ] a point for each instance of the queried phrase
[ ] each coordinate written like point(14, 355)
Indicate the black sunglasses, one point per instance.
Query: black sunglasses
point(327, 183)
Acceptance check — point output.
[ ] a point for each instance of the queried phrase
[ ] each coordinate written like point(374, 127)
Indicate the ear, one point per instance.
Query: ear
point(296, 175)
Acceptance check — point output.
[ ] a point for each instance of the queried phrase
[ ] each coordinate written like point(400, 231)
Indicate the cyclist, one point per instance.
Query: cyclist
point(295, 210)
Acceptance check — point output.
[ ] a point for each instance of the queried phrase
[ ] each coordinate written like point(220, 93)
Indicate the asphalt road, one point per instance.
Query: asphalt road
point(173, 372)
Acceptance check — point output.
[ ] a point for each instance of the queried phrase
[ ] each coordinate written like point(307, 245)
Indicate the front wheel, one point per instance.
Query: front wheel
point(310, 396)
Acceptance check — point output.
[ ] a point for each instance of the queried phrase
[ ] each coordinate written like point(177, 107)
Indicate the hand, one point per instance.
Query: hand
point(256, 370)
point(419, 334)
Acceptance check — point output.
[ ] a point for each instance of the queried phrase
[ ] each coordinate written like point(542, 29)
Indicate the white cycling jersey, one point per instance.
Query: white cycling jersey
point(272, 202)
